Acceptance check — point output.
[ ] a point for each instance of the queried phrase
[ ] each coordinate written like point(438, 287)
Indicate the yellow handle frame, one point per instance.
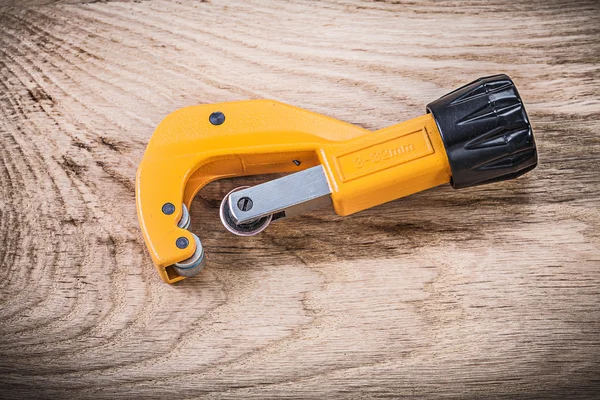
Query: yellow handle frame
point(364, 168)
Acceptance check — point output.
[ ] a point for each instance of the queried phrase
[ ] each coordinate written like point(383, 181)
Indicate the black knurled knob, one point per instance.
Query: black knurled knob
point(486, 132)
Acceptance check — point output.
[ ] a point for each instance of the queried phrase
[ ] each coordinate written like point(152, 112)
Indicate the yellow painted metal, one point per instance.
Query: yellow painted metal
point(364, 168)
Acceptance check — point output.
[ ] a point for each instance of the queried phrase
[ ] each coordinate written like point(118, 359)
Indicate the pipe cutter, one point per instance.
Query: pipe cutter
point(475, 135)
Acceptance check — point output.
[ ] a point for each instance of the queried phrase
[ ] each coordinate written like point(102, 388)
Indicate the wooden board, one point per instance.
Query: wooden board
point(487, 292)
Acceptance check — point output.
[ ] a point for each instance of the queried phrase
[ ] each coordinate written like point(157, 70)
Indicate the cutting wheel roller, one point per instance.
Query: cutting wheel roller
point(193, 265)
point(248, 228)
point(477, 134)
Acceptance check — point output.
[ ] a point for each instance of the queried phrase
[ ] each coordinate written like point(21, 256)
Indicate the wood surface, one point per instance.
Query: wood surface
point(487, 292)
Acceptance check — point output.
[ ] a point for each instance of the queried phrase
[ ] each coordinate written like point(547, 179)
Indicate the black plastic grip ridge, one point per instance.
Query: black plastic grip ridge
point(486, 132)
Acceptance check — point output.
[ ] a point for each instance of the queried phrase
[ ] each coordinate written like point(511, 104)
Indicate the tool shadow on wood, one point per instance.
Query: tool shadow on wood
point(388, 231)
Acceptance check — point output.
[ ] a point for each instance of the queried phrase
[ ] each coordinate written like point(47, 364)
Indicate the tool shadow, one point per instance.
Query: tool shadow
point(387, 231)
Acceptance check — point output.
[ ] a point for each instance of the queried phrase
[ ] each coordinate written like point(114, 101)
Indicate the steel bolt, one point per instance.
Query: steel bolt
point(168, 208)
point(245, 204)
point(217, 118)
point(182, 242)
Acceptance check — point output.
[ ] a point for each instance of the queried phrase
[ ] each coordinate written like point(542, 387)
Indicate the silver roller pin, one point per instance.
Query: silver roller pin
point(185, 220)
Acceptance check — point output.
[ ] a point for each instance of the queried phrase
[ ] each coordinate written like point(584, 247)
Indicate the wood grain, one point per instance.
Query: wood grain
point(489, 292)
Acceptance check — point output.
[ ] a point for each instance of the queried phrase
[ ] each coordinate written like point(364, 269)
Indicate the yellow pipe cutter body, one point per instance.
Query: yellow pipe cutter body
point(330, 162)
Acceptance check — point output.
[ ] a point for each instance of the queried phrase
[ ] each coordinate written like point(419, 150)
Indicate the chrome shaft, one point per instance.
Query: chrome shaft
point(292, 194)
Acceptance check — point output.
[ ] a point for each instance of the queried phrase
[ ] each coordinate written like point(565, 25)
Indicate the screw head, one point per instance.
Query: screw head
point(217, 118)
point(168, 208)
point(245, 204)
point(182, 242)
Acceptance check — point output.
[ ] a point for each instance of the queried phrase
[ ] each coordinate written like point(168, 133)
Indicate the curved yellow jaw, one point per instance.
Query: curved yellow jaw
point(196, 145)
